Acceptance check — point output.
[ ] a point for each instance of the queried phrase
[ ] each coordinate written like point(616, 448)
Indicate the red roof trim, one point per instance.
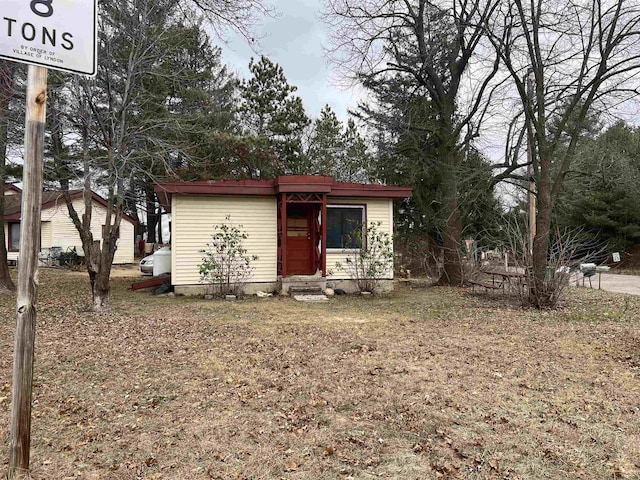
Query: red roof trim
point(283, 184)
point(363, 190)
point(303, 184)
point(228, 187)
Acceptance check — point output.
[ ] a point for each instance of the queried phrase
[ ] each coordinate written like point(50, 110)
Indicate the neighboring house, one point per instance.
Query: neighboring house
point(296, 225)
point(58, 231)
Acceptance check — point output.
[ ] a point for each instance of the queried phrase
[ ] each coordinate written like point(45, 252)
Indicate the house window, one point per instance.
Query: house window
point(14, 237)
point(345, 226)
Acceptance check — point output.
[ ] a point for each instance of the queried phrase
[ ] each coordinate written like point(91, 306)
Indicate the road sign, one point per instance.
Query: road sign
point(58, 34)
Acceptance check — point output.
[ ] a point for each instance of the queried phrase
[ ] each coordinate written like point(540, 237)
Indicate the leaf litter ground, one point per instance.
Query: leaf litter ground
point(422, 383)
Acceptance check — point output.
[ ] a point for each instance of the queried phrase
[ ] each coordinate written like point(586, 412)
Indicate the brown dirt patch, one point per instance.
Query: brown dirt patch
point(422, 383)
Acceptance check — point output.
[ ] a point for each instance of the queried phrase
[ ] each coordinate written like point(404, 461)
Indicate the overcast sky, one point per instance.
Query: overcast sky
point(294, 39)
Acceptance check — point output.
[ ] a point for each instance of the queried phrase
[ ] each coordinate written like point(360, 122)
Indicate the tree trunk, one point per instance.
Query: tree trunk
point(100, 290)
point(452, 263)
point(6, 283)
point(130, 207)
point(152, 217)
point(98, 253)
point(452, 273)
point(539, 294)
point(159, 225)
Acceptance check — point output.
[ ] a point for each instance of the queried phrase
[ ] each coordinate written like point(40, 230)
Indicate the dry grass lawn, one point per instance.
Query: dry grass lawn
point(419, 384)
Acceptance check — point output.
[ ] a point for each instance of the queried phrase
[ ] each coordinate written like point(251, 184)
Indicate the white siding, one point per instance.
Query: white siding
point(192, 223)
point(376, 210)
point(46, 234)
point(58, 230)
point(63, 232)
point(65, 235)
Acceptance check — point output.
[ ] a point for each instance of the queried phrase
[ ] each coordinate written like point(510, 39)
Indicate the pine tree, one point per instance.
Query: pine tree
point(190, 94)
point(357, 160)
point(269, 109)
point(337, 150)
point(326, 145)
point(601, 193)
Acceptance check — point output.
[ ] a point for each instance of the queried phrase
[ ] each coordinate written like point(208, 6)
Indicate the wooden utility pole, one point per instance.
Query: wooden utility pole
point(25, 334)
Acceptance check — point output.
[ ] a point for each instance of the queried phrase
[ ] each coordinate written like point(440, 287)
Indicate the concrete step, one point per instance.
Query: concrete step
point(306, 290)
point(304, 284)
point(310, 298)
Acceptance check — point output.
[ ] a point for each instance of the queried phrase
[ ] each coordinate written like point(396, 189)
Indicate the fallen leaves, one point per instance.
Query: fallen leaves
point(434, 384)
point(328, 451)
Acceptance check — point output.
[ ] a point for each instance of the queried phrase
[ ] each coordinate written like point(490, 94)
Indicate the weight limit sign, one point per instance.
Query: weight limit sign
point(58, 34)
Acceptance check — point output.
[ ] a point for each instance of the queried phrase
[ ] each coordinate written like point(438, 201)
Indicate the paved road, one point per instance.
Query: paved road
point(616, 283)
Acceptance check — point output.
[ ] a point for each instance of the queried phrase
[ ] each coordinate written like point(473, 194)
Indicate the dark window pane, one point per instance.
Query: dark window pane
point(334, 228)
point(352, 228)
point(344, 227)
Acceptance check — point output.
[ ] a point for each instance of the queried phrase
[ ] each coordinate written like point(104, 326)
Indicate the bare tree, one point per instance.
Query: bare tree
point(431, 47)
point(240, 16)
point(116, 142)
point(102, 114)
point(581, 56)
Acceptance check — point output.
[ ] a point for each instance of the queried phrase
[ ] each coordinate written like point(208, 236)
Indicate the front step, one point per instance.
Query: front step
point(305, 290)
point(310, 298)
point(304, 284)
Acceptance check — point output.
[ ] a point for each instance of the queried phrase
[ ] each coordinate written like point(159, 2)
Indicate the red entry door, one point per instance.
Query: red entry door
point(300, 243)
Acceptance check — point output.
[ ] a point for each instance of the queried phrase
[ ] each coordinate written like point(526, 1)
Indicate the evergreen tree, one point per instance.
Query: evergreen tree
point(408, 152)
point(601, 192)
point(223, 155)
point(357, 160)
point(190, 94)
point(337, 150)
point(326, 145)
point(269, 109)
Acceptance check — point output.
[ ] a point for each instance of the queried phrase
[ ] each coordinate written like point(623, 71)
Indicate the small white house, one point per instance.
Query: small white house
point(296, 225)
point(58, 231)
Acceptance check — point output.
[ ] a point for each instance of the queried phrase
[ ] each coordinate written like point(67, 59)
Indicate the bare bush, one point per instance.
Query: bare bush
point(421, 255)
point(568, 248)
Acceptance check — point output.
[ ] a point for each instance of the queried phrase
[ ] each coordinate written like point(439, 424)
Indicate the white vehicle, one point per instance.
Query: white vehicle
point(146, 264)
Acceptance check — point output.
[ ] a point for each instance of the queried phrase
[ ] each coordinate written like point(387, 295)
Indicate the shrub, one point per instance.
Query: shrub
point(368, 265)
point(568, 248)
point(226, 264)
